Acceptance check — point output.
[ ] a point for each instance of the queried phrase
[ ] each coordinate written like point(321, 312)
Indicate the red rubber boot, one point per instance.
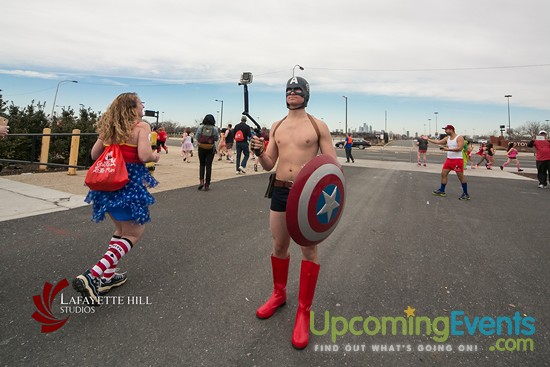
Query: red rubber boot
point(308, 280)
point(278, 297)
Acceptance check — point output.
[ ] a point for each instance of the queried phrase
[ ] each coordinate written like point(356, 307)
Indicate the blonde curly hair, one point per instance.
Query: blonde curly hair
point(116, 124)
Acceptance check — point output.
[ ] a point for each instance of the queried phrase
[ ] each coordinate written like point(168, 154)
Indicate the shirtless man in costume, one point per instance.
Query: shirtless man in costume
point(294, 141)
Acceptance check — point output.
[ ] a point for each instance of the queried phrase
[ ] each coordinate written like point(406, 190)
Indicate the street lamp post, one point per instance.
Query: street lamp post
point(507, 96)
point(294, 69)
point(57, 90)
point(221, 117)
point(346, 123)
point(429, 127)
point(436, 113)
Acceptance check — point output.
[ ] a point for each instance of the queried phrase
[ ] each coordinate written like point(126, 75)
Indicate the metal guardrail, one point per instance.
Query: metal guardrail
point(43, 161)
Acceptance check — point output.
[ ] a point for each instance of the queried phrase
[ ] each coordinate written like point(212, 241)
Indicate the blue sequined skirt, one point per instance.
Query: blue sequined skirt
point(133, 198)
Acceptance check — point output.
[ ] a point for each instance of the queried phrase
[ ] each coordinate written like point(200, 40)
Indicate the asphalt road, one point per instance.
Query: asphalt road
point(202, 268)
point(406, 151)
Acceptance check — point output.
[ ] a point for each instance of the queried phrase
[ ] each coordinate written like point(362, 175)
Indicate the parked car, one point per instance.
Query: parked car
point(357, 143)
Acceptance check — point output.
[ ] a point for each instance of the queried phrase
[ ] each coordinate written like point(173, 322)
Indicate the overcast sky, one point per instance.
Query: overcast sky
point(409, 58)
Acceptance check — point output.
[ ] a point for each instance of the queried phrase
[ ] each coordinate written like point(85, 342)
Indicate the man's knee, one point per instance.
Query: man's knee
point(280, 247)
point(309, 253)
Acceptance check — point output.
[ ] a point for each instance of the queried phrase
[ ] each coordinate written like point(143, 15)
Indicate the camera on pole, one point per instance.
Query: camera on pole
point(246, 78)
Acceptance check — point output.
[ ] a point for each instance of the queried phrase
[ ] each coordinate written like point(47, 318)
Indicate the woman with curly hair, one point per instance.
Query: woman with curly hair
point(128, 207)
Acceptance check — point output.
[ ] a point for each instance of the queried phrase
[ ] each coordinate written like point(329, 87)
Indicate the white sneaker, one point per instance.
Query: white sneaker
point(241, 168)
point(238, 172)
point(541, 186)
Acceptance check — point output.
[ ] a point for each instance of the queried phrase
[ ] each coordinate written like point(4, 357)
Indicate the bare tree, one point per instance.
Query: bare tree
point(170, 127)
point(529, 129)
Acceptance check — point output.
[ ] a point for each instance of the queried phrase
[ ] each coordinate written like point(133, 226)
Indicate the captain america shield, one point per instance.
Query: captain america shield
point(316, 201)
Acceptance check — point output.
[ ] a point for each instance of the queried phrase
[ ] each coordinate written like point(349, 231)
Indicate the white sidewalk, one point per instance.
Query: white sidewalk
point(21, 200)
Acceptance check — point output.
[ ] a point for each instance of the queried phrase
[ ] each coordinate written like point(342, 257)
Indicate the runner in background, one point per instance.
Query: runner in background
point(422, 150)
point(153, 139)
point(512, 154)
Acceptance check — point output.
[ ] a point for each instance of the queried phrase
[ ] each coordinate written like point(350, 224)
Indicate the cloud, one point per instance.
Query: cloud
point(352, 46)
point(30, 74)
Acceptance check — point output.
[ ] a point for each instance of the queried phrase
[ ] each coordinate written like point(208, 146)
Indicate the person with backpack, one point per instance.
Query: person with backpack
point(242, 134)
point(207, 135)
point(127, 207)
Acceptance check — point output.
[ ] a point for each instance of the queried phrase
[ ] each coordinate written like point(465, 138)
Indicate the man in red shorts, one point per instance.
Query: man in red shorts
point(453, 145)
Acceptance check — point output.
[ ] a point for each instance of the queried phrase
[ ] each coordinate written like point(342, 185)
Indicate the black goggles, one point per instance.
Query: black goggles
point(298, 91)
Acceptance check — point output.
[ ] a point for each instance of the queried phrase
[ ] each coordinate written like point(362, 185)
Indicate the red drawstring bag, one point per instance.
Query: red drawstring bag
point(108, 173)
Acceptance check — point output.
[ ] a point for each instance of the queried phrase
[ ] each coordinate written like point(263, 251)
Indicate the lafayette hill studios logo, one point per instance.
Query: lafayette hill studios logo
point(43, 313)
point(74, 305)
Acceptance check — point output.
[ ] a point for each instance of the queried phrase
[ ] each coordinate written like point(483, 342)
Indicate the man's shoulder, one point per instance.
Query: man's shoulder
point(323, 127)
point(316, 120)
point(541, 143)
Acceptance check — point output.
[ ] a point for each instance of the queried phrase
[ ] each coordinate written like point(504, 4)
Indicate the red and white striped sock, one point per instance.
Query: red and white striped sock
point(110, 272)
point(118, 247)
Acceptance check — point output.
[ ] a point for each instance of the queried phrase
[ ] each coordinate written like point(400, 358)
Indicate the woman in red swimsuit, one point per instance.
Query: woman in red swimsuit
point(128, 207)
